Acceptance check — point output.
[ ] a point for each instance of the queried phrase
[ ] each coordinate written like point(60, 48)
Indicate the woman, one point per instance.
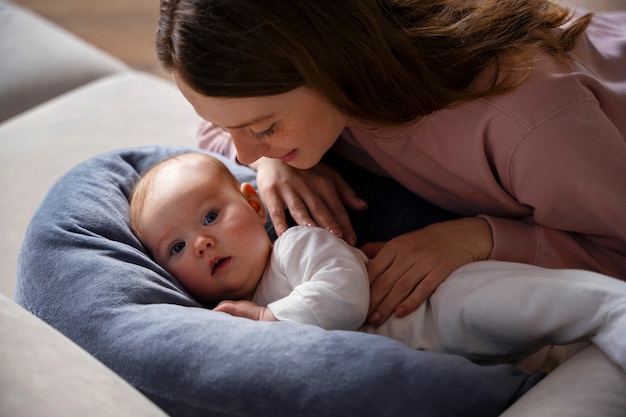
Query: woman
point(508, 113)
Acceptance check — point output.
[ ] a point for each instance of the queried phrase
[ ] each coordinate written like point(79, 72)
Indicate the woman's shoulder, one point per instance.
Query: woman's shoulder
point(544, 95)
point(550, 88)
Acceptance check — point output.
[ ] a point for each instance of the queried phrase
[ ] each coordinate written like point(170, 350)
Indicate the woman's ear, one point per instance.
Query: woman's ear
point(253, 199)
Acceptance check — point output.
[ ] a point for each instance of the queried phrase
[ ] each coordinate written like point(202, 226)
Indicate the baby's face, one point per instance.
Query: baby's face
point(206, 231)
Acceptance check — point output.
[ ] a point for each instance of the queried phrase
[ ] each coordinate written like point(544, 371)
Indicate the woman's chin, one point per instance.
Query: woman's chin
point(301, 162)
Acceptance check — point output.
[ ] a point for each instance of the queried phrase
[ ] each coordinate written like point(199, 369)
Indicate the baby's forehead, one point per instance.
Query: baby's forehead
point(186, 166)
point(191, 161)
point(194, 175)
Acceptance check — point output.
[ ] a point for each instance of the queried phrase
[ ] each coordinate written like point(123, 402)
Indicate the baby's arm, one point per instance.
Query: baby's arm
point(246, 309)
point(316, 278)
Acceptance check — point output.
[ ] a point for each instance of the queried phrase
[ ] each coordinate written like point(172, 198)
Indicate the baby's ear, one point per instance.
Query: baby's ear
point(253, 199)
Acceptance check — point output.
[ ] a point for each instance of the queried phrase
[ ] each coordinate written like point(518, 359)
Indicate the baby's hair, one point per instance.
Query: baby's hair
point(149, 178)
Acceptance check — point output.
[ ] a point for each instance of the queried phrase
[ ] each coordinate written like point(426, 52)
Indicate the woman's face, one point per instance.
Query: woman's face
point(297, 127)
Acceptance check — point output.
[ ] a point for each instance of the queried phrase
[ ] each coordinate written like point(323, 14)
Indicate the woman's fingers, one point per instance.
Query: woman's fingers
point(406, 295)
point(410, 267)
point(346, 198)
point(347, 195)
point(275, 209)
point(388, 290)
point(311, 196)
point(424, 289)
point(329, 213)
point(277, 186)
point(382, 279)
point(295, 202)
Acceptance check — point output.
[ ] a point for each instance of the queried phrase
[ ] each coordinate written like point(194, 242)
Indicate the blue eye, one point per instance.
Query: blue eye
point(210, 217)
point(177, 248)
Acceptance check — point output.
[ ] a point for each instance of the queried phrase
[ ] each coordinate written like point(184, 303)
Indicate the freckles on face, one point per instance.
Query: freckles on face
point(298, 126)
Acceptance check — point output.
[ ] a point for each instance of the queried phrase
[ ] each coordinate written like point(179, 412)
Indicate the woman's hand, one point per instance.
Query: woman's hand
point(405, 271)
point(314, 197)
point(245, 309)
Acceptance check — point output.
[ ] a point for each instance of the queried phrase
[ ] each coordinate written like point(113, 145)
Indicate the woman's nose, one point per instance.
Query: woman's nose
point(248, 150)
point(202, 244)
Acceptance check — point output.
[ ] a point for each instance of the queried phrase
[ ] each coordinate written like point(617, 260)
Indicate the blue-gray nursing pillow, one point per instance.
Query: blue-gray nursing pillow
point(83, 271)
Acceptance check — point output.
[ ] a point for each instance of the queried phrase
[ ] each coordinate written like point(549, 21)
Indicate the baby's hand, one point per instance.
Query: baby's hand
point(246, 309)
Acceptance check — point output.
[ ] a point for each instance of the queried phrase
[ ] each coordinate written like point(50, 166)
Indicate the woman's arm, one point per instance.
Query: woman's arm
point(569, 171)
point(572, 173)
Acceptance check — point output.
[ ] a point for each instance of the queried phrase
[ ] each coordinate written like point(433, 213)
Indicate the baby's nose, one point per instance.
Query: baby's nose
point(203, 243)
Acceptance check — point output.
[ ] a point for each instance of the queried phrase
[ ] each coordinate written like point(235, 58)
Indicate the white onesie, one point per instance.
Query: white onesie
point(483, 310)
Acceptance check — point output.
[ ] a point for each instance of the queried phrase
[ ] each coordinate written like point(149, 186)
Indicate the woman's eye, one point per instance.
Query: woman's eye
point(262, 135)
point(210, 217)
point(177, 248)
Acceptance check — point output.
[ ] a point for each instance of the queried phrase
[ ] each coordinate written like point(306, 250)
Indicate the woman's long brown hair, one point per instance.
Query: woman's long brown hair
point(379, 61)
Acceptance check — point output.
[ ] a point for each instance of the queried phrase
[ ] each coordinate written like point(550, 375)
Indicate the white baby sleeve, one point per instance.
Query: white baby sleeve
point(329, 282)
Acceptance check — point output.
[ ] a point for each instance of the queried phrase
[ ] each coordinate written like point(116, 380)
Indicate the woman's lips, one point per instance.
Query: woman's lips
point(290, 156)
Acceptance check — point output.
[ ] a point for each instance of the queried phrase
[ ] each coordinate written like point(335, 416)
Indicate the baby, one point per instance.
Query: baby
point(207, 230)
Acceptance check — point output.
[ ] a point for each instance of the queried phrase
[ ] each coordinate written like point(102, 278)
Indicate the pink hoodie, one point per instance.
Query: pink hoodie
point(544, 164)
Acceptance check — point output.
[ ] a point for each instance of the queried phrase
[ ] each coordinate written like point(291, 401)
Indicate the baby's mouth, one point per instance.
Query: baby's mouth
point(219, 264)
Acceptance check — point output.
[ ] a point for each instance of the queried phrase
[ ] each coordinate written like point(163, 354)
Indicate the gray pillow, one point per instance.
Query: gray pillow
point(82, 270)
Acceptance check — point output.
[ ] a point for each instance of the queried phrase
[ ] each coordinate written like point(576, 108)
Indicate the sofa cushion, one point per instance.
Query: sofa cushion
point(587, 384)
point(41, 60)
point(85, 273)
point(43, 373)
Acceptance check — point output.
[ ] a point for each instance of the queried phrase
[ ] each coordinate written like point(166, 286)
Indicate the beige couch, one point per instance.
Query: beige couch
point(63, 101)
